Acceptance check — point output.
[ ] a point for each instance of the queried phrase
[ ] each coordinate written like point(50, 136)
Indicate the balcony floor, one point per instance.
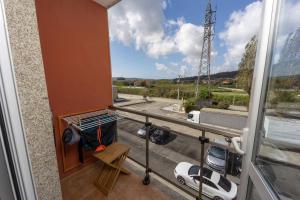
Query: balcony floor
point(128, 187)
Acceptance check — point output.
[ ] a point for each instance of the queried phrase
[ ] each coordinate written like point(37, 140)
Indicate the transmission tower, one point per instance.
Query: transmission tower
point(204, 66)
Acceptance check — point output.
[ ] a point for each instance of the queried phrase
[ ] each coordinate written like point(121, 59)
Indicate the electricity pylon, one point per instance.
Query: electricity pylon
point(204, 66)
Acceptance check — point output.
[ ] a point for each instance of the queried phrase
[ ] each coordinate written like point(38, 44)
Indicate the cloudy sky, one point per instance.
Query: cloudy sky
point(163, 38)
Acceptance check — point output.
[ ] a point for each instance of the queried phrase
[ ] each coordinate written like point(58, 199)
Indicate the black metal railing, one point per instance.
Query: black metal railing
point(203, 128)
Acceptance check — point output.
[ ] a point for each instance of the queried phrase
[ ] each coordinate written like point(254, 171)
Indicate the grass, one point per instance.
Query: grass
point(229, 93)
point(187, 91)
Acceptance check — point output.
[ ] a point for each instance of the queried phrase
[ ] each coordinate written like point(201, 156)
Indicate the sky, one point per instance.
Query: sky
point(163, 38)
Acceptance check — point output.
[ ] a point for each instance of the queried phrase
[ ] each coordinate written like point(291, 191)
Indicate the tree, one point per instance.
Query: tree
point(246, 66)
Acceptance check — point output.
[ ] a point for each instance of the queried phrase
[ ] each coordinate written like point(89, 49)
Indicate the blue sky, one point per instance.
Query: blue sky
point(162, 38)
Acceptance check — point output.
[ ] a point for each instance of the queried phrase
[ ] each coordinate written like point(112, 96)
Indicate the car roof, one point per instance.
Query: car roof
point(196, 171)
point(215, 177)
point(194, 112)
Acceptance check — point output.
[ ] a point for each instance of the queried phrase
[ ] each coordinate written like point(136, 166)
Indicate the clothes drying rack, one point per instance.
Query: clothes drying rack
point(93, 119)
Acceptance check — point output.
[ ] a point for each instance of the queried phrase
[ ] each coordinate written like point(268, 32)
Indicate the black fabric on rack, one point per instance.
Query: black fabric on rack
point(89, 140)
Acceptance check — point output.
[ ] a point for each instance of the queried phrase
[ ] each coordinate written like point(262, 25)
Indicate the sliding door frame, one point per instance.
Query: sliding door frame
point(251, 176)
point(14, 130)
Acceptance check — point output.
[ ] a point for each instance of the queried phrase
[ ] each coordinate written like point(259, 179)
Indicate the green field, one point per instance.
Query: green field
point(187, 91)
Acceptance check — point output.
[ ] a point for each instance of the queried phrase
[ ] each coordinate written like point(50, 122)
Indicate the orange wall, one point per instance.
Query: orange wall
point(75, 46)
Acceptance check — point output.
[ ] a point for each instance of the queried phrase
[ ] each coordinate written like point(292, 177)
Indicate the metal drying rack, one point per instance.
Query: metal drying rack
point(90, 120)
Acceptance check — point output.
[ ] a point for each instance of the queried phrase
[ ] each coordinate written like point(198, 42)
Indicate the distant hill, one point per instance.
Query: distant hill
point(221, 75)
point(125, 79)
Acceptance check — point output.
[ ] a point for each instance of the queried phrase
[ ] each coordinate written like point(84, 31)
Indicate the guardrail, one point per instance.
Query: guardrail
point(201, 127)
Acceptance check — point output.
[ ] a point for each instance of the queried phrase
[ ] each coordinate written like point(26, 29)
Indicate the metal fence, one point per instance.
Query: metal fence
point(203, 129)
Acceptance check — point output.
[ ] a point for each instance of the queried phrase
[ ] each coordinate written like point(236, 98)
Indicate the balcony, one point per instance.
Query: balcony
point(147, 158)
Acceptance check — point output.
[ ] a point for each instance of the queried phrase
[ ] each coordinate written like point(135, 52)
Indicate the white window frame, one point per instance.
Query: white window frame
point(251, 176)
point(12, 116)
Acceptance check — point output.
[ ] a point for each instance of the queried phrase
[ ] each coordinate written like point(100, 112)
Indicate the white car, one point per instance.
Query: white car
point(214, 186)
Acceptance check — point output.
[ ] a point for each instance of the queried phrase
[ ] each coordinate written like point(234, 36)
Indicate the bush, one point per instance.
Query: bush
point(232, 98)
point(220, 105)
point(128, 90)
point(189, 105)
point(204, 94)
point(282, 96)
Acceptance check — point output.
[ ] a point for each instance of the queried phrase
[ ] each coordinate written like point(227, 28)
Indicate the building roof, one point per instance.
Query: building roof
point(107, 3)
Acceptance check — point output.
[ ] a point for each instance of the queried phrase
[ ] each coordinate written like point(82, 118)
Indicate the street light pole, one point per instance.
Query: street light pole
point(178, 83)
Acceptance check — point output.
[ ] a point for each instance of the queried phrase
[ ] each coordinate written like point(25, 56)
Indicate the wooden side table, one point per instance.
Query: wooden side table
point(113, 157)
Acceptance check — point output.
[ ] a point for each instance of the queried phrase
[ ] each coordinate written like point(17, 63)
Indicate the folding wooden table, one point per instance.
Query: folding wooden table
point(112, 157)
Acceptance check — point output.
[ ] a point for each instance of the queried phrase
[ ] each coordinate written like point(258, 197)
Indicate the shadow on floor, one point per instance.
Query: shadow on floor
point(129, 187)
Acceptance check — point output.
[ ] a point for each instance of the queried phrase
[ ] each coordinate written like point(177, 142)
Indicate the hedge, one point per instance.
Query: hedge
point(238, 99)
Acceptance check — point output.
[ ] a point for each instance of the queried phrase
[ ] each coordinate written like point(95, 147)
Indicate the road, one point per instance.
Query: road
point(163, 158)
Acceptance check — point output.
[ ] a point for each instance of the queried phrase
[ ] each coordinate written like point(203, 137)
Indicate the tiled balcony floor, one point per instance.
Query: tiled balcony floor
point(129, 187)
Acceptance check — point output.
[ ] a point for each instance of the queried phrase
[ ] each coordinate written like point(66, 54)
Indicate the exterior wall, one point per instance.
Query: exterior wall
point(75, 46)
point(30, 79)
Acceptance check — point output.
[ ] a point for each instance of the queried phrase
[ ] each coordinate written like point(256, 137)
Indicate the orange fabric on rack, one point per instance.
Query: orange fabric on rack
point(101, 147)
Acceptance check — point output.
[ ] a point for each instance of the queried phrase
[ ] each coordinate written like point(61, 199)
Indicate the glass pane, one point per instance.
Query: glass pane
point(279, 146)
point(253, 194)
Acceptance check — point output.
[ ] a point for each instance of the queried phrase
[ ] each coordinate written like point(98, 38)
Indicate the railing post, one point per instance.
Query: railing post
point(228, 140)
point(146, 180)
point(203, 141)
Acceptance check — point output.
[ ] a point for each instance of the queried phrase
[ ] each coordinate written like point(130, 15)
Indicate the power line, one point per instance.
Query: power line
point(204, 66)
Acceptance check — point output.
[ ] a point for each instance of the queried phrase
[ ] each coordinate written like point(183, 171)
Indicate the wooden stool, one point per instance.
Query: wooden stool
point(113, 157)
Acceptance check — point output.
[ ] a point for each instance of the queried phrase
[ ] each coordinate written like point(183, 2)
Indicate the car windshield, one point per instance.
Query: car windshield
point(190, 116)
point(217, 152)
point(225, 184)
point(194, 170)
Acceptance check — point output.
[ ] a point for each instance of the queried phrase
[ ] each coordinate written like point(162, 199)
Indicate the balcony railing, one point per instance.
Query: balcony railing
point(202, 128)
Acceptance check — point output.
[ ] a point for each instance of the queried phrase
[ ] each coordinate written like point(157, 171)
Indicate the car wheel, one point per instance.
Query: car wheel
point(181, 180)
point(218, 198)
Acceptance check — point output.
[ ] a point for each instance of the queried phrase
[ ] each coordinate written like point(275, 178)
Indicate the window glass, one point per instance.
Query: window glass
point(209, 183)
point(207, 172)
point(190, 116)
point(278, 156)
point(253, 194)
point(224, 183)
point(217, 152)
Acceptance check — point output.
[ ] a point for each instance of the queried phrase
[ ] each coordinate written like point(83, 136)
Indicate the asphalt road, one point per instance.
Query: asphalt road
point(163, 158)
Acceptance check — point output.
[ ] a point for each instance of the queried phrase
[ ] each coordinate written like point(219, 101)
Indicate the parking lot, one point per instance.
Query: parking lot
point(163, 158)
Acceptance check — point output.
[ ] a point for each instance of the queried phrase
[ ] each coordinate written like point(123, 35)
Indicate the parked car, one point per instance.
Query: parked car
point(194, 116)
point(142, 131)
point(160, 135)
point(216, 159)
point(214, 185)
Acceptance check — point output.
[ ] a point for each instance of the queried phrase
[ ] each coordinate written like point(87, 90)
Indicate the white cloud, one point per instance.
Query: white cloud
point(183, 70)
point(188, 39)
point(137, 22)
point(142, 23)
point(244, 24)
point(240, 28)
point(164, 5)
point(161, 67)
point(287, 24)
